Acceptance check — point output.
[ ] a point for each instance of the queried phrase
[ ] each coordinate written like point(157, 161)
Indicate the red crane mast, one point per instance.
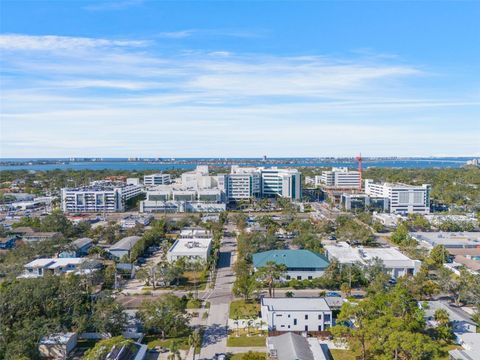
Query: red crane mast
point(359, 159)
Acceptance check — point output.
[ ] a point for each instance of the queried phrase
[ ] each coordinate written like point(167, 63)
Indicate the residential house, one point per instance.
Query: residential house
point(57, 266)
point(41, 236)
point(78, 248)
point(471, 347)
point(123, 246)
point(296, 314)
point(461, 322)
point(132, 351)
point(291, 346)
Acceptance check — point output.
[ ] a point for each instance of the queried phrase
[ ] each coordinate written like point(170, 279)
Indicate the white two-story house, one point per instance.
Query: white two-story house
point(296, 314)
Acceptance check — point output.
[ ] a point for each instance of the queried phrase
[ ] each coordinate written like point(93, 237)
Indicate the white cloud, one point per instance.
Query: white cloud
point(130, 100)
point(53, 42)
point(113, 5)
point(177, 34)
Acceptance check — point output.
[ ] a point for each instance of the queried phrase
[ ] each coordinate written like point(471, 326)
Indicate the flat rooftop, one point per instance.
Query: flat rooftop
point(347, 254)
point(453, 239)
point(59, 338)
point(191, 246)
point(195, 233)
point(295, 304)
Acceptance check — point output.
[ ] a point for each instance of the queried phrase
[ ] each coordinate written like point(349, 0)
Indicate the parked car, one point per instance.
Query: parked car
point(332, 294)
point(141, 261)
point(220, 356)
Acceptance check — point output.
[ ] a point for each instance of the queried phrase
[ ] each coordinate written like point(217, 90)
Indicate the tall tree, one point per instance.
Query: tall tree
point(270, 273)
point(165, 316)
point(195, 341)
point(109, 316)
point(245, 285)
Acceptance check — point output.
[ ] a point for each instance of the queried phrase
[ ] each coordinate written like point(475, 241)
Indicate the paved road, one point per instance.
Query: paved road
point(215, 335)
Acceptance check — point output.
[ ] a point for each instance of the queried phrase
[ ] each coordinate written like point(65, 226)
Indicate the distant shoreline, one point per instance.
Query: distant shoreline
point(44, 164)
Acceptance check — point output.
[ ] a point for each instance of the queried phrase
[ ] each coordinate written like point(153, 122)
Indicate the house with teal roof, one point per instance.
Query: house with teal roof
point(301, 264)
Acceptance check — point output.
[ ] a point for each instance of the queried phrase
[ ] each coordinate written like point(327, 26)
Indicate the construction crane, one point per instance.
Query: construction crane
point(359, 159)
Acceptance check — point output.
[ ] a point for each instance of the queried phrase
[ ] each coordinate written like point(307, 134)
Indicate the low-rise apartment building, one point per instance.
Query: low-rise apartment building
point(296, 314)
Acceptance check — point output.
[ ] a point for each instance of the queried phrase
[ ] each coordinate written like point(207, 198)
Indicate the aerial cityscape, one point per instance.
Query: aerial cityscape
point(239, 180)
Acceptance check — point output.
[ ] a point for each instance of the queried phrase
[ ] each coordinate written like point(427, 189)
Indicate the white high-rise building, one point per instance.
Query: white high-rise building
point(248, 182)
point(403, 199)
point(157, 179)
point(339, 178)
point(99, 196)
point(285, 183)
point(242, 183)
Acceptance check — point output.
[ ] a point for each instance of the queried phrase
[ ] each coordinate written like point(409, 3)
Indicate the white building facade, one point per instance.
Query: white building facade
point(296, 314)
point(339, 178)
point(403, 199)
point(98, 197)
point(190, 249)
point(246, 182)
point(396, 263)
point(156, 179)
point(242, 184)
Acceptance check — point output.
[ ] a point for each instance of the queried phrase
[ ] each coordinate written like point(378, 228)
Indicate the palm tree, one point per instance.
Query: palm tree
point(196, 267)
point(195, 341)
point(174, 351)
point(261, 324)
point(249, 325)
point(236, 317)
point(270, 273)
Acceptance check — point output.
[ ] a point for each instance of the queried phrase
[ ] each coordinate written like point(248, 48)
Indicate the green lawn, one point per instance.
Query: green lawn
point(243, 309)
point(167, 343)
point(239, 355)
point(194, 304)
point(342, 354)
point(240, 341)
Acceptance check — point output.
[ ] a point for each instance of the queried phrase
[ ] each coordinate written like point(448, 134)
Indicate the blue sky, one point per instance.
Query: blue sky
point(210, 78)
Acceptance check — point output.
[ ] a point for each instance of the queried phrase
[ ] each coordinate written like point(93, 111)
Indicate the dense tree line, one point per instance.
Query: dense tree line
point(32, 308)
point(386, 325)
